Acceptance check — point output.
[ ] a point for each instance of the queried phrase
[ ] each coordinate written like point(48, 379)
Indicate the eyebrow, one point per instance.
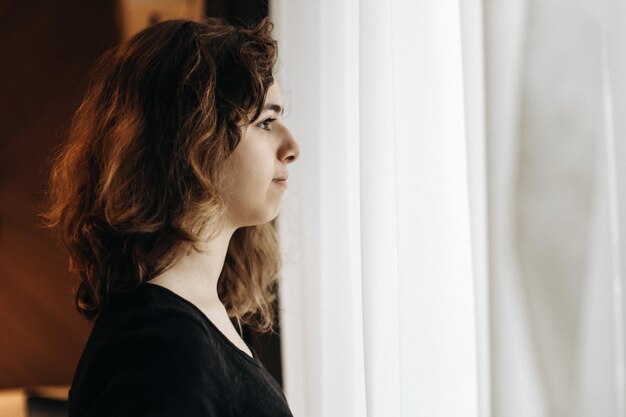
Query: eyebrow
point(275, 107)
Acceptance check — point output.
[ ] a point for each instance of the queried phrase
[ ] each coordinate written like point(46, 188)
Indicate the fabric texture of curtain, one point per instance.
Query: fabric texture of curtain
point(454, 229)
point(378, 309)
point(556, 303)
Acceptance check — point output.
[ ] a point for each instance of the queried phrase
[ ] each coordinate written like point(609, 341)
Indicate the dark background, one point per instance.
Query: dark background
point(47, 49)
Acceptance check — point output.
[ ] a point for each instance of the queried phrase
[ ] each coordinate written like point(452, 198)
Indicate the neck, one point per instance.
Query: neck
point(194, 276)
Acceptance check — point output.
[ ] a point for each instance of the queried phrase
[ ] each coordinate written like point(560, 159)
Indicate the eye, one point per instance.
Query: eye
point(265, 124)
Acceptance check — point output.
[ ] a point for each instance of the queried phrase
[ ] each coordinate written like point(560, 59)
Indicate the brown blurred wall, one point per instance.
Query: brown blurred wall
point(46, 50)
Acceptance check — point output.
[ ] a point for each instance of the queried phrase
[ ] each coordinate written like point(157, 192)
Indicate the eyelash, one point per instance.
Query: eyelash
point(268, 120)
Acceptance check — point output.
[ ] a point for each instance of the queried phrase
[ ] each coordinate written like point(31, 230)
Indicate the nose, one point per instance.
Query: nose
point(290, 150)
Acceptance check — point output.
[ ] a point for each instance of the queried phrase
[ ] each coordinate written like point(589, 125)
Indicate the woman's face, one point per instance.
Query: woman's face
point(254, 191)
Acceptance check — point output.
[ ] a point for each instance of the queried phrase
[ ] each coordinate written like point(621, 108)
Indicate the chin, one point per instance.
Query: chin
point(262, 218)
point(272, 217)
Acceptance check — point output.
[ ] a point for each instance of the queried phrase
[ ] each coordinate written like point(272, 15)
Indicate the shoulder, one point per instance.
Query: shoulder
point(148, 325)
point(150, 352)
point(146, 320)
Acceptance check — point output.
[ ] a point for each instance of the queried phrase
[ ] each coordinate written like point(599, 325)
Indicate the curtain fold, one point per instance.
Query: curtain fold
point(473, 52)
point(380, 193)
point(514, 373)
point(614, 92)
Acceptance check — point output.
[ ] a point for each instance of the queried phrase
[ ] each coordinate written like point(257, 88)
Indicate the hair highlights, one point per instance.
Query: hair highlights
point(137, 185)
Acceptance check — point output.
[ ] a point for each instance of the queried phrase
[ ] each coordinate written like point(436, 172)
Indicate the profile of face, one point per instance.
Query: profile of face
point(258, 170)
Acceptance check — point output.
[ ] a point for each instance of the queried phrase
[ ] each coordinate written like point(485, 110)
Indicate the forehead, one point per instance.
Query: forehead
point(274, 95)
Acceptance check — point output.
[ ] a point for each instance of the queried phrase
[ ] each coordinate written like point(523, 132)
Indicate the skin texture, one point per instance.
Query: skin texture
point(263, 154)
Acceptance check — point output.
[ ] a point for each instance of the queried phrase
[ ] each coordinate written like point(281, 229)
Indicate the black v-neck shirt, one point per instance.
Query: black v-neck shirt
point(153, 353)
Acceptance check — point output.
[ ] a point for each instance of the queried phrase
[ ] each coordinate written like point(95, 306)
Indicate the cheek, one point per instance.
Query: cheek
point(251, 184)
point(254, 199)
point(256, 163)
point(253, 166)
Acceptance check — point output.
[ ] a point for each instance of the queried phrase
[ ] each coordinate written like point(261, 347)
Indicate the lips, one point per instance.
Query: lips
point(281, 181)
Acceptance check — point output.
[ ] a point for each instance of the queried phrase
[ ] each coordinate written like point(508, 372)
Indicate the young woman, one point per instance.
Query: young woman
point(166, 196)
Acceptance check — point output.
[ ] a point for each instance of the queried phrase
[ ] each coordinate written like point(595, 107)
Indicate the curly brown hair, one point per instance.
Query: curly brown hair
point(137, 185)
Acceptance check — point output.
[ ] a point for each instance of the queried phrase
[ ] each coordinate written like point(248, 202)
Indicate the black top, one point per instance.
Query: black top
point(153, 353)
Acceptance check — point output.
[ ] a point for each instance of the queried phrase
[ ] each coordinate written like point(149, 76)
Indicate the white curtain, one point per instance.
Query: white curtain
point(378, 291)
point(454, 229)
point(556, 298)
